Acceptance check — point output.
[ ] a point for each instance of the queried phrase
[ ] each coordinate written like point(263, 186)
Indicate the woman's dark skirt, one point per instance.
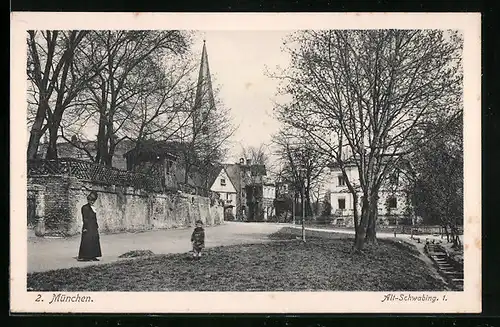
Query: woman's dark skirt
point(90, 246)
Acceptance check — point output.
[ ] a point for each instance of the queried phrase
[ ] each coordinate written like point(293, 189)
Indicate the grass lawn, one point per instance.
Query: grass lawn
point(285, 264)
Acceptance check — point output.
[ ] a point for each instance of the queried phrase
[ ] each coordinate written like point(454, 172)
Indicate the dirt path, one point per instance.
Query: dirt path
point(51, 253)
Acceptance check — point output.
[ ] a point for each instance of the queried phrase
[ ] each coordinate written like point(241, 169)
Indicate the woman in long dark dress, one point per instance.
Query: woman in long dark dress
point(90, 247)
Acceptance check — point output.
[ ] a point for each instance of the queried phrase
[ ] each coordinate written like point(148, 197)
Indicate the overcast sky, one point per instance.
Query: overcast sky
point(238, 61)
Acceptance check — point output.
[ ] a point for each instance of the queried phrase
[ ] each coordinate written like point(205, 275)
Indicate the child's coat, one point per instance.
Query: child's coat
point(198, 239)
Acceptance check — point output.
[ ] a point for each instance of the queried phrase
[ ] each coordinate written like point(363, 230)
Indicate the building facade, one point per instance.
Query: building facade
point(283, 203)
point(255, 192)
point(393, 204)
point(268, 197)
point(223, 186)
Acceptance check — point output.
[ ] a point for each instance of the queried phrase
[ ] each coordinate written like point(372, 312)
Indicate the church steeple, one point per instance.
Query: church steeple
point(204, 98)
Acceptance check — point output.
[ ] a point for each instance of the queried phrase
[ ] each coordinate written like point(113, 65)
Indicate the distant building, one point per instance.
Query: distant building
point(393, 204)
point(255, 192)
point(268, 197)
point(155, 159)
point(283, 202)
point(87, 150)
point(168, 160)
point(223, 186)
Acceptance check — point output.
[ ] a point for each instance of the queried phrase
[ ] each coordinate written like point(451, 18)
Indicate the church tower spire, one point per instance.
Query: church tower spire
point(204, 103)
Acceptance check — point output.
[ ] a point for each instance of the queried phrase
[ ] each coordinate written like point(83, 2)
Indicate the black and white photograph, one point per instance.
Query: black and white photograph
point(245, 163)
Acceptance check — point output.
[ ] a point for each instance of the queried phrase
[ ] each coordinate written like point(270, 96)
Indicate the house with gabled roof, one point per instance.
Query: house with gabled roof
point(222, 184)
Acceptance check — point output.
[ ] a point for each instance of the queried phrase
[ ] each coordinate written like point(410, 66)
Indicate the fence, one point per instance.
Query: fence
point(93, 172)
point(426, 229)
point(97, 173)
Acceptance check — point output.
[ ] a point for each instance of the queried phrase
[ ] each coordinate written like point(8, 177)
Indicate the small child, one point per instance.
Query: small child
point(198, 239)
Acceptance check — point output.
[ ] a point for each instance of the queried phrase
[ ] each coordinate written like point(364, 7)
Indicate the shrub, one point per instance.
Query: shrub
point(228, 216)
point(324, 220)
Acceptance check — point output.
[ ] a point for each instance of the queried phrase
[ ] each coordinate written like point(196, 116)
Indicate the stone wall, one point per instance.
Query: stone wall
point(36, 207)
point(59, 200)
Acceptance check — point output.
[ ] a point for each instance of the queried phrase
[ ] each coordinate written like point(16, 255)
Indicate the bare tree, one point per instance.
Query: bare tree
point(296, 153)
point(258, 155)
point(370, 94)
point(164, 108)
point(55, 82)
point(159, 110)
point(131, 72)
point(206, 139)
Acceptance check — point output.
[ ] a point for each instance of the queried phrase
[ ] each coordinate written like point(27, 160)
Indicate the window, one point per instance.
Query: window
point(341, 204)
point(341, 180)
point(392, 202)
point(228, 196)
point(223, 182)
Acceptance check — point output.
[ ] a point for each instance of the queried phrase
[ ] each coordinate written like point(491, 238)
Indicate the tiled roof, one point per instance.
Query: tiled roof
point(158, 147)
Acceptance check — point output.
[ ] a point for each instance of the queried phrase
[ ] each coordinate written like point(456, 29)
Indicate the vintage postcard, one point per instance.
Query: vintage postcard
point(245, 163)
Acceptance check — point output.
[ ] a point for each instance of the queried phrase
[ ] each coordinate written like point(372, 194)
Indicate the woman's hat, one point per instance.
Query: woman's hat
point(199, 222)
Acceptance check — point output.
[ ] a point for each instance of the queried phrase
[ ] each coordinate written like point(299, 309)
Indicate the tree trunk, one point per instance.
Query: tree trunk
point(309, 211)
point(355, 216)
point(52, 146)
point(34, 141)
point(54, 120)
point(307, 191)
point(111, 152)
point(361, 232)
point(37, 131)
point(363, 224)
point(101, 140)
point(109, 142)
point(447, 233)
point(371, 234)
point(301, 205)
point(455, 237)
point(186, 170)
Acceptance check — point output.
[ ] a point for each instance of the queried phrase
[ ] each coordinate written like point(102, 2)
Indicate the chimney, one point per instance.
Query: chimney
point(249, 162)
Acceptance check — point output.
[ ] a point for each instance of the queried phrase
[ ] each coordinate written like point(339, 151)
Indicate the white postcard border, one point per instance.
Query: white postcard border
point(468, 301)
